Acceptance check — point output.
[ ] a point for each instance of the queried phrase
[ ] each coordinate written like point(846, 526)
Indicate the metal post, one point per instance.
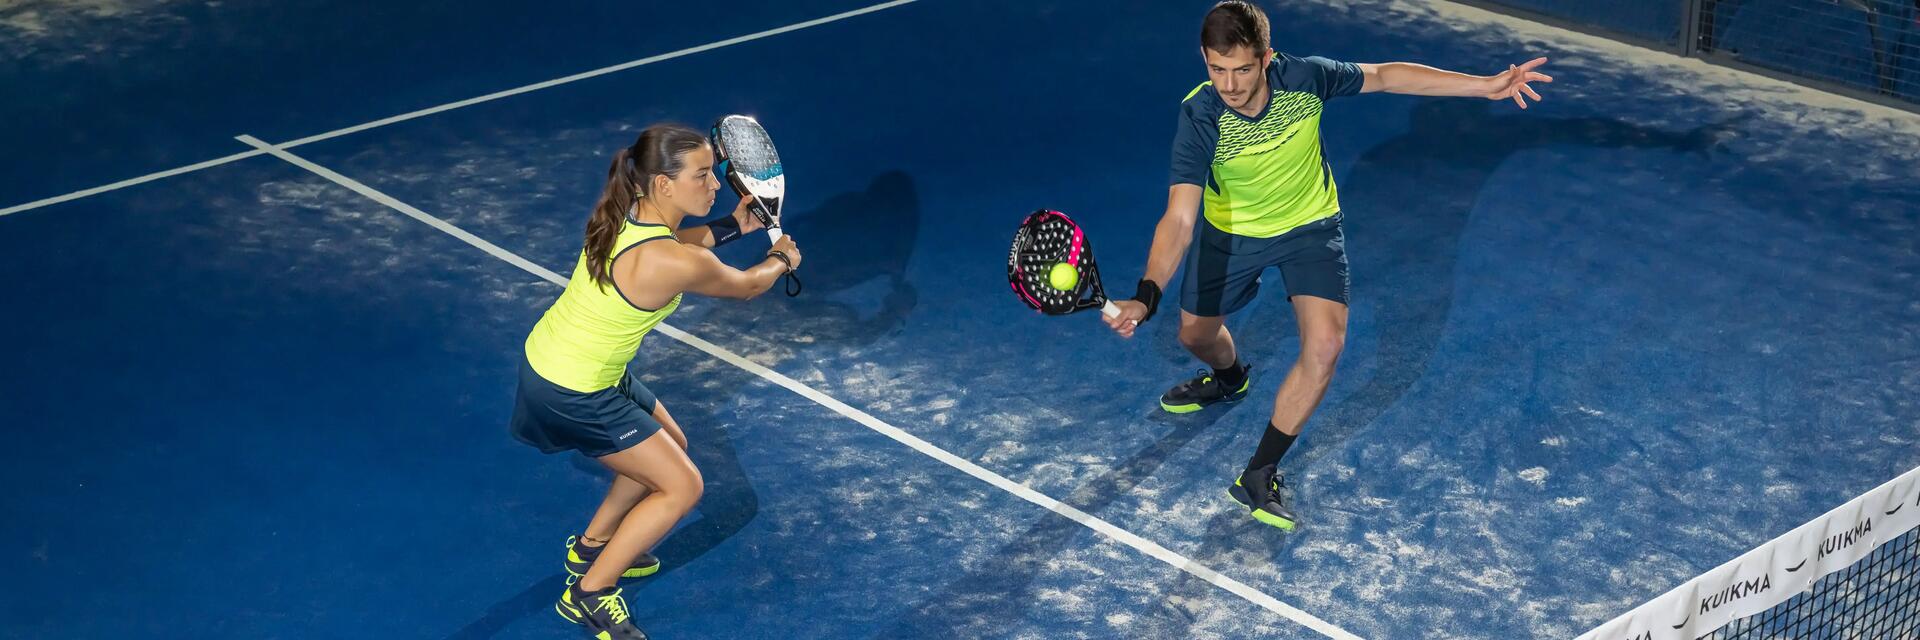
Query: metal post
point(1690, 25)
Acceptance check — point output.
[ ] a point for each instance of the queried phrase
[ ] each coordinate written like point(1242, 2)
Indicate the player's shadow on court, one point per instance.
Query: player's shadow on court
point(1408, 201)
point(864, 237)
point(857, 245)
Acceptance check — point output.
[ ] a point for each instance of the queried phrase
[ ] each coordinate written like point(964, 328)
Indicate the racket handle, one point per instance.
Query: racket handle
point(1109, 310)
point(774, 234)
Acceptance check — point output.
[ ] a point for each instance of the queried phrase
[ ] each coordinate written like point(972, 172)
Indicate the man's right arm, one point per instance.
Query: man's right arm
point(1170, 240)
point(1173, 234)
point(1193, 145)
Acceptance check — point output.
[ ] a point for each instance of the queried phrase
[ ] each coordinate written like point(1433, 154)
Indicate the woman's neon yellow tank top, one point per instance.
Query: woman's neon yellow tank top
point(588, 336)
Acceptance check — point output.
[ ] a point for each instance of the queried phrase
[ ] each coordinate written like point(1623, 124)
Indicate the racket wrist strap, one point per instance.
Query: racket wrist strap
point(724, 230)
point(792, 279)
point(1148, 294)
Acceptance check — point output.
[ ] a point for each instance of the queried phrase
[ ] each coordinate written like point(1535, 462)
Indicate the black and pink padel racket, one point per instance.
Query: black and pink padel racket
point(1046, 240)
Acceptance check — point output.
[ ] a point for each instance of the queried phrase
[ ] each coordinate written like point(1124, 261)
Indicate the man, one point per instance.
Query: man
point(1247, 154)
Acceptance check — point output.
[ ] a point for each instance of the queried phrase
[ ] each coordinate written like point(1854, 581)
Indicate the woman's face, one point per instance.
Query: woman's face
point(692, 190)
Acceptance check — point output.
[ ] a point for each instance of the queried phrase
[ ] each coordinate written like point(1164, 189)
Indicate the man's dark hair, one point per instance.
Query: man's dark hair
point(1234, 23)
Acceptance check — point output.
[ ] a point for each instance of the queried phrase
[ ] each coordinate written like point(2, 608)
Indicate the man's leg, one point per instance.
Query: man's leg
point(1314, 264)
point(1207, 338)
point(1323, 332)
point(1215, 284)
point(1323, 329)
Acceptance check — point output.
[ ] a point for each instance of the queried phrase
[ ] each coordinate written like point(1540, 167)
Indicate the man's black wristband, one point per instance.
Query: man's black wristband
point(724, 230)
point(1148, 294)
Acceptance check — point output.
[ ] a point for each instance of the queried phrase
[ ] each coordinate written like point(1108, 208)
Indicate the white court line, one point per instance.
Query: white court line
point(456, 105)
point(1100, 526)
point(596, 72)
point(128, 182)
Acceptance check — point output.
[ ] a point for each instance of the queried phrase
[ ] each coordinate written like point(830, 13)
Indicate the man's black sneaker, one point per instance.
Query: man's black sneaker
point(1203, 390)
point(1263, 487)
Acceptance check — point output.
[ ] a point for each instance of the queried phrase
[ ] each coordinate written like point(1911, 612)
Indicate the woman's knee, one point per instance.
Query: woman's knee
point(660, 463)
point(684, 486)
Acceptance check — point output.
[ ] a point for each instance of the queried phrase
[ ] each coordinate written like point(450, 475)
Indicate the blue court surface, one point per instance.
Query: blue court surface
point(1596, 348)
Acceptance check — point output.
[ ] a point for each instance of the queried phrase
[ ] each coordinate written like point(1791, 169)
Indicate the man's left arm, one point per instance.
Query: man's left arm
point(1421, 80)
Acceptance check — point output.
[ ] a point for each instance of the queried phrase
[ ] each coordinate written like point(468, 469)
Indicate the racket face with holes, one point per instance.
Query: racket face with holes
point(746, 155)
point(1047, 238)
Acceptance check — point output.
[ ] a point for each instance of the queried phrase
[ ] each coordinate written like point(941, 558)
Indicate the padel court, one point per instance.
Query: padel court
point(266, 271)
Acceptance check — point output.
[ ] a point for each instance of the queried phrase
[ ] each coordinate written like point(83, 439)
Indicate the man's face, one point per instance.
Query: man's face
point(1238, 75)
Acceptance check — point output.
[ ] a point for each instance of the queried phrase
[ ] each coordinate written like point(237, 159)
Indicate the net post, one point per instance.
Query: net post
point(1690, 25)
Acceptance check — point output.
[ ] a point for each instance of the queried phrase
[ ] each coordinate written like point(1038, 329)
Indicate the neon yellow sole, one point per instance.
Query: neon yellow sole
point(1190, 408)
point(1270, 519)
point(570, 616)
point(1260, 514)
point(635, 572)
point(1179, 408)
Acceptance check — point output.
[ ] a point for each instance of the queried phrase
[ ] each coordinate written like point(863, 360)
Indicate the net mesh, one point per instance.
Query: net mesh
point(1876, 598)
point(1870, 45)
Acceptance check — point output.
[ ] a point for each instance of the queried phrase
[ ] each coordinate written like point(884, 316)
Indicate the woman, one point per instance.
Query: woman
point(575, 390)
